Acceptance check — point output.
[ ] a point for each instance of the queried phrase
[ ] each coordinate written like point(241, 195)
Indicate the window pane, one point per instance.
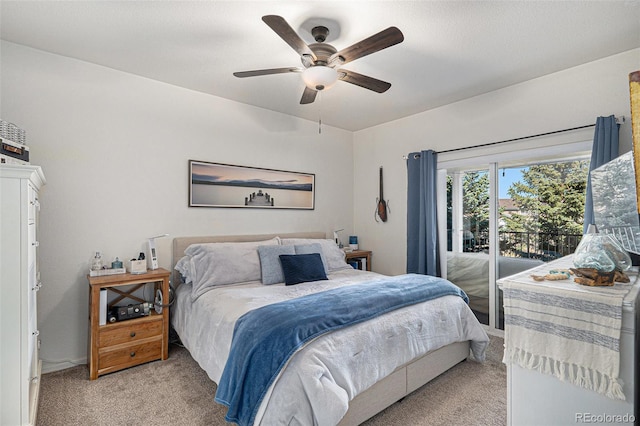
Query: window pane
point(468, 243)
point(542, 209)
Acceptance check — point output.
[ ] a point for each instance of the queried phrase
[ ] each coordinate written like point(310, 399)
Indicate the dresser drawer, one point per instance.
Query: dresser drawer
point(129, 333)
point(130, 355)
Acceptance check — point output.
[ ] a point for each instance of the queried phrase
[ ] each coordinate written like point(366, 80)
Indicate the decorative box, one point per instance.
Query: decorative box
point(103, 272)
point(138, 266)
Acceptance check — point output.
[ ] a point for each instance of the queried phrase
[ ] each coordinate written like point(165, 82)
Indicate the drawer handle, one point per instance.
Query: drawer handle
point(132, 354)
point(133, 334)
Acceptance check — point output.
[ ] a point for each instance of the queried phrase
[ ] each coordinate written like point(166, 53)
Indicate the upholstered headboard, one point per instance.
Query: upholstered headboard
point(180, 244)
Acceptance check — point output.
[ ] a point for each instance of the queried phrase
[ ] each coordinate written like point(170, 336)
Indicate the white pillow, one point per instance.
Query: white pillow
point(186, 269)
point(216, 264)
point(199, 247)
point(332, 254)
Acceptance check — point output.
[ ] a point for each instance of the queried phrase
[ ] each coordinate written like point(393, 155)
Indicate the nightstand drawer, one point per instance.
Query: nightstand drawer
point(130, 355)
point(125, 333)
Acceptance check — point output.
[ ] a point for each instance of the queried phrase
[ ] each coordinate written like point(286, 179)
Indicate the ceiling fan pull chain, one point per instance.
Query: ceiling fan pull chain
point(320, 112)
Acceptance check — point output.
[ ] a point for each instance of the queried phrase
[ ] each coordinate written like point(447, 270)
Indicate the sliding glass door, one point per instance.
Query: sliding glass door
point(504, 219)
point(468, 237)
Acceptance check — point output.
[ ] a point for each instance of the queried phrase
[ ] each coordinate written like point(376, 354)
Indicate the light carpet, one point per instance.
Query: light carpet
point(178, 392)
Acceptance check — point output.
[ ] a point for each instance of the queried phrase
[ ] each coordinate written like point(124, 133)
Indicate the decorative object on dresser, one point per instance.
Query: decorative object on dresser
point(615, 205)
point(600, 260)
point(20, 365)
point(12, 144)
point(13, 153)
point(124, 343)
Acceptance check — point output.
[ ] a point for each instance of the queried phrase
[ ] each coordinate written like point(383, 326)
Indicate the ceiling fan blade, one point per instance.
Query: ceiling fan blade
point(376, 42)
point(284, 30)
point(255, 73)
point(364, 81)
point(308, 96)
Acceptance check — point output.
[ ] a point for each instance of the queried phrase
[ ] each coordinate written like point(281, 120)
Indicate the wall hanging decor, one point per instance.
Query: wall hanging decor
point(226, 185)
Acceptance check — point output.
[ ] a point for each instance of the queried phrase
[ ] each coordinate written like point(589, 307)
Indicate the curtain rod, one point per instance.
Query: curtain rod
point(619, 120)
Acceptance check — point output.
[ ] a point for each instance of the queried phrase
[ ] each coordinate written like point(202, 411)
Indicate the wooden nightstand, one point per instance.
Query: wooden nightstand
point(122, 344)
point(359, 255)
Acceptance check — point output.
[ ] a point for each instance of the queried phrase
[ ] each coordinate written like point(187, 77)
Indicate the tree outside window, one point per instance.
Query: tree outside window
point(546, 216)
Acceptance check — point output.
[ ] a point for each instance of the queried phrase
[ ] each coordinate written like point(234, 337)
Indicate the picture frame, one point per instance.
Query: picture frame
point(228, 185)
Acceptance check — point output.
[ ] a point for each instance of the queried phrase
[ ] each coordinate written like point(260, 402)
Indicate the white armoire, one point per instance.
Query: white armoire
point(19, 283)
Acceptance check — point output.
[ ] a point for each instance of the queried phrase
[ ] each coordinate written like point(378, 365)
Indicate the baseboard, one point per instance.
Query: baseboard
point(50, 366)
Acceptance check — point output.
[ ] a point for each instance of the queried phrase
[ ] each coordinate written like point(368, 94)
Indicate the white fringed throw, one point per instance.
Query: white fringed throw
point(565, 329)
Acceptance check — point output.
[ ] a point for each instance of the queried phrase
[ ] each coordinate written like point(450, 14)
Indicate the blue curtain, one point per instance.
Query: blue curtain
point(422, 224)
point(605, 149)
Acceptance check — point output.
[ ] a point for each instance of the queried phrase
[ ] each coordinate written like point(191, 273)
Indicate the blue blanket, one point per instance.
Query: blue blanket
point(265, 338)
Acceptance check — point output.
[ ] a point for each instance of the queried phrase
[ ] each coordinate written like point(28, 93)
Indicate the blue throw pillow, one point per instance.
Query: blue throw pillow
point(312, 248)
point(301, 268)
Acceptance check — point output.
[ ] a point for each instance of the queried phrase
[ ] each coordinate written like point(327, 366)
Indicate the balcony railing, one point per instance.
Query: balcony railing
point(544, 246)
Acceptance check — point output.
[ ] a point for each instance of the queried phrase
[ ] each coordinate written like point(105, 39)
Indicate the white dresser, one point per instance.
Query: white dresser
point(535, 398)
point(19, 283)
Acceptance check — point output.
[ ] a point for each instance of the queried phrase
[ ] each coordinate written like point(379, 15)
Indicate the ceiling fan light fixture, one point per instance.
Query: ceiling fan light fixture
point(319, 77)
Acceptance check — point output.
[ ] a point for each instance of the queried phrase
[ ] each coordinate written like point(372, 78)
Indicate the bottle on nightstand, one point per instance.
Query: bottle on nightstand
point(96, 263)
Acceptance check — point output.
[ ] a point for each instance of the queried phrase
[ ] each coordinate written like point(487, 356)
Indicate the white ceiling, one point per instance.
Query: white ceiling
point(452, 50)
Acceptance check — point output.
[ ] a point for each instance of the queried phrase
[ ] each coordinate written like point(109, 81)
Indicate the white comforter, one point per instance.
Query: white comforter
point(321, 378)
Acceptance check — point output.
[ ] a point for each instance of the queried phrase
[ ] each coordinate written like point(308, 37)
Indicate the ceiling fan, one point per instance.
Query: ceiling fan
point(321, 60)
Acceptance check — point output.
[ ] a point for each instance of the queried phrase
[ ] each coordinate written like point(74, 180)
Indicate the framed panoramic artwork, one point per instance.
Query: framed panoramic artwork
point(226, 185)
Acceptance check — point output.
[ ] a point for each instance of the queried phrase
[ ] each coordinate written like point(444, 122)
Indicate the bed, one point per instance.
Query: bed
point(342, 376)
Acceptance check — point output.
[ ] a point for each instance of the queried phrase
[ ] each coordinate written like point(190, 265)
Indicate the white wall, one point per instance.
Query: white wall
point(114, 148)
point(566, 99)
